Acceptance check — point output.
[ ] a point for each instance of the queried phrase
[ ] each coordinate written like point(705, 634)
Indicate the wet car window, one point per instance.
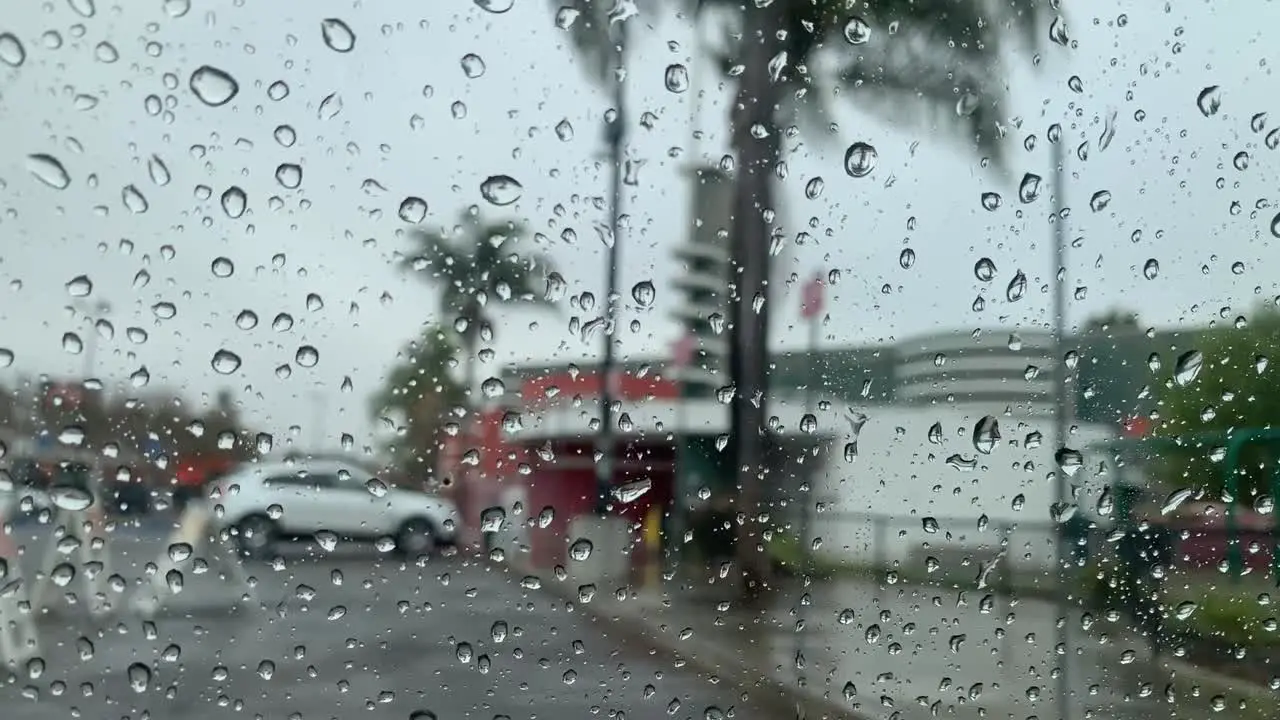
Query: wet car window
point(514, 359)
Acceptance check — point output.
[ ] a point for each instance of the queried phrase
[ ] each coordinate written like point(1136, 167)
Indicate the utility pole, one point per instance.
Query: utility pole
point(615, 135)
point(1062, 420)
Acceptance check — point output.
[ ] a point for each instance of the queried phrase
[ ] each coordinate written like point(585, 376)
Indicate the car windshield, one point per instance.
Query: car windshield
point(639, 359)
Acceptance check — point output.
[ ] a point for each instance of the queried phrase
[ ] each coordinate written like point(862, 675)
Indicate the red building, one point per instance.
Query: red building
point(543, 442)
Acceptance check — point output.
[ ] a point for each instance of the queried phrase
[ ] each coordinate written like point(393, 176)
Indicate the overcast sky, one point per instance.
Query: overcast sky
point(412, 120)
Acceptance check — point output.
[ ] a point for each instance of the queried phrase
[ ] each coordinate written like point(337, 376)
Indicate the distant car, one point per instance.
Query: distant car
point(266, 503)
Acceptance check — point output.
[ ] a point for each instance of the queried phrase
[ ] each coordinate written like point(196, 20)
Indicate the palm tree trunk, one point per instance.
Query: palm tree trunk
point(466, 493)
point(749, 355)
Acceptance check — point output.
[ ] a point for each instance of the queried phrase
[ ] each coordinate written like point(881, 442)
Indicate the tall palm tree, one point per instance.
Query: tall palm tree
point(473, 264)
point(944, 55)
point(421, 389)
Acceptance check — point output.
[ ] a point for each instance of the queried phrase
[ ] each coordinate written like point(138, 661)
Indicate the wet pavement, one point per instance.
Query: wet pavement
point(348, 633)
point(923, 652)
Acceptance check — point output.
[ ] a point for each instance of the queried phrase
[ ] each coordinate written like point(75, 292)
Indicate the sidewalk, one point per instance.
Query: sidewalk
point(853, 647)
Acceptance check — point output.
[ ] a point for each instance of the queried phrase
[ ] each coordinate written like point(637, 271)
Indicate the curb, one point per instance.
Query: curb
point(779, 698)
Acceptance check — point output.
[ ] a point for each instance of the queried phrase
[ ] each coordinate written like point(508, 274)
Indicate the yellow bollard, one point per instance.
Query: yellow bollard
point(653, 547)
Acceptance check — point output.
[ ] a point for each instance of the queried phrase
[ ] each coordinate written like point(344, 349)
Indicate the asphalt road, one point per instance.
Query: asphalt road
point(349, 633)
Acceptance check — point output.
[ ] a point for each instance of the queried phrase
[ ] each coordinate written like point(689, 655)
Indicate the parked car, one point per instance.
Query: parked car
point(266, 503)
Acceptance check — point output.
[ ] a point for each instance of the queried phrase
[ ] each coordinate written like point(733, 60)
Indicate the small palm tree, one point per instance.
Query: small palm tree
point(473, 264)
point(422, 391)
point(941, 55)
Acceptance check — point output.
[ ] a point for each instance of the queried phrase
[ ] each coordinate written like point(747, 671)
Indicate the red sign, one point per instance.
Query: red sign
point(1137, 426)
point(682, 350)
point(813, 300)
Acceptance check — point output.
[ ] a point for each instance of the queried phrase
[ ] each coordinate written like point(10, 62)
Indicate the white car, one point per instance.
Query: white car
point(327, 499)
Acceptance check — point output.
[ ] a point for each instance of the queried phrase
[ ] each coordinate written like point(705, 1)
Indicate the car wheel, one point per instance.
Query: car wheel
point(416, 538)
point(255, 536)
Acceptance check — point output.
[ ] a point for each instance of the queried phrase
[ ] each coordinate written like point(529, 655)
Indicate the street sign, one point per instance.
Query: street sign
point(813, 299)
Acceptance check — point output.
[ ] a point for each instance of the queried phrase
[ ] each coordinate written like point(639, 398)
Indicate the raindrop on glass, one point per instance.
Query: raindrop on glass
point(644, 293)
point(289, 175)
point(413, 210)
point(1029, 188)
point(472, 65)
point(857, 31)
point(1209, 100)
point(1017, 287)
point(860, 159)
point(225, 362)
point(12, 52)
point(501, 190)
point(676, 78)
point(307, 356)
point(337, 35)
point(133, 200)
point(1187, 367)
point(48, 170)
point(234, 202)
point(212, 86)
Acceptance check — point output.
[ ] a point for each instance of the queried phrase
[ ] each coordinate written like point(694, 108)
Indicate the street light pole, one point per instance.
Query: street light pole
point(1062, 419)
point(616, 137)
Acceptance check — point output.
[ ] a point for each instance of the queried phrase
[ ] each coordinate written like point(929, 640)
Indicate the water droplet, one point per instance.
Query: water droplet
point(1058, 31)
point(1099, 201)
point(472, 65)
point(497, 7)
point(212, 86)
point(158, 170)
point(413, 210)
point(72, 344)
point(234, 202)
point(644, 293)
point(676, 78)
point(133, 200)
point(1151, 270)
point(986, 435)
point(813, 188)
point(860, 159)
point(984, 270)
point(79, 286)
point(139, 677)
point(501, 190)
point(581, 549)
point(857, 31)
point(1017, 287)
point(991, 201)
point(180, 552)
point(6, 357)
point(283, 322)
point(493, 388)
point(1187, 368)
point(222, 267)
point(564, 130)
point(177, 8)
point(307, 356)
point(1029, 188)
point(330, 106)
point(105, 52)
point(632, 491)
point(12, 52)
point(225, 362)
point(1069, 460)
point(289, 175)
point(464, 652)
point(498, 631)
point(1209, 100)
point(69, 497)
point(48, 170)
point(337, 35)
point(907, 258)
